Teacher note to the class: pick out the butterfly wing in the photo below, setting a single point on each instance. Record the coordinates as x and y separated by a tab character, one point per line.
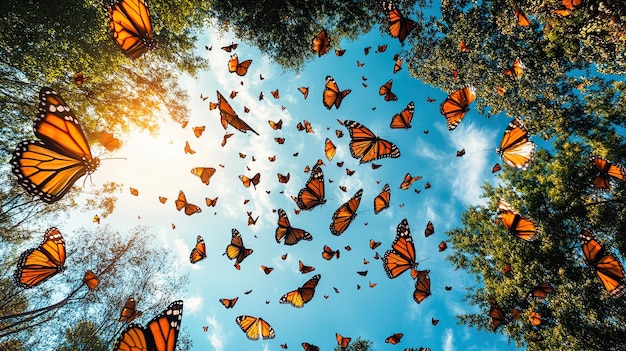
381	201
345	214
204	173
228	116
496	316
403	119
160	334
516	148
285	231
456	105
399	26
255	328
332	95
199	252
304	91
522	227
320	44
330	149
229	303
385	90
366	146
40	264
131	27
422	289
236	250
297	298
313	192
608	267
401	257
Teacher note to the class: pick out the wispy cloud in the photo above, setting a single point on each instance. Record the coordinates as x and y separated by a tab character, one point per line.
193	304
448	341
216	335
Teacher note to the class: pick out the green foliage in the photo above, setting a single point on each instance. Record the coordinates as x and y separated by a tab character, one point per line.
82	337
357	344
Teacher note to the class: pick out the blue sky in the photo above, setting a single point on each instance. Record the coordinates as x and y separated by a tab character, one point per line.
157	166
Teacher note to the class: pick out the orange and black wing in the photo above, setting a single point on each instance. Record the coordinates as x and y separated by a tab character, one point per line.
285	231
381	201
456	105
160	334
516	70
229	303
236	250
199	251
241	68
399	26
313	193
401	257
496	316
422	289
131	27
329	149
606	171
366	146
345	214
255	327
332	95
204	173
517	225
385	90
516	148
320	44
297	298
403	119
228	116
342	341
181	203
39	264
608	267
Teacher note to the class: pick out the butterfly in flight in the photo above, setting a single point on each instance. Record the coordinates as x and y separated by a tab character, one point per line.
496	315
204	173
247	181
304	91
181	202
229	303
91	280
516	148
516	70
456	105
47	168
332	95
255	327
130	26
297	298
401	257
230	47
241	68
320	44
422	289
608	267
290	234
228	116
517	225
606	171
397	65
199	251
385	90
342	341
381	201
129	312
394	339
39	264
403	119
313	192
305	269
109	141
345	214
161	333
399	26
366	146
236	250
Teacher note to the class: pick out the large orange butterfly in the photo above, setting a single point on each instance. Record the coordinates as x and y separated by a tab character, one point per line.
131	27
48	168
385	90
401	257
199	251
255	327
381	201
345	214
235	250
109	141
399	26
39	264
228	116
516	148
608	267
342	341
332	95
366	146
205	173
516	70
329	149
313	192
247	181
297	298
496	316
456	105
129	311
520	226
181	202
320	44
160	334
241	68
606	171
422	289
404	118
285	231
229	303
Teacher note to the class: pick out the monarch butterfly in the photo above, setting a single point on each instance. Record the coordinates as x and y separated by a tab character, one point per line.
399	26
463	47
328	253
305	125
374	244
235	250
516	148
252	221
134	191
247	181
385	90
606	170
129	312
205	173
255	327
342	341
39	264
48	168
368	147
211	202
362	273
541	290
80	78
381	48
442	246
397	65
310	347
401	257
181	202
91	280
345	214
297	298
320	44
313	192
329	149
496	316
197	131
460	153
430	229
496	168
229	303
109	141
434	321
520	226
162	199
534	318
280	141
422	289
408	180
241	68
607	266
522	19
131	27
404	118
199	252
305	269
571	4
96	219
394	339
339	52
230	47
332	95
283	178
456	105
304	91
285	231
228	116
516	70
159	334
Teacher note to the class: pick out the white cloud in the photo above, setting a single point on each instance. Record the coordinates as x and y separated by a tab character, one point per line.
193	304
448	341
216	335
